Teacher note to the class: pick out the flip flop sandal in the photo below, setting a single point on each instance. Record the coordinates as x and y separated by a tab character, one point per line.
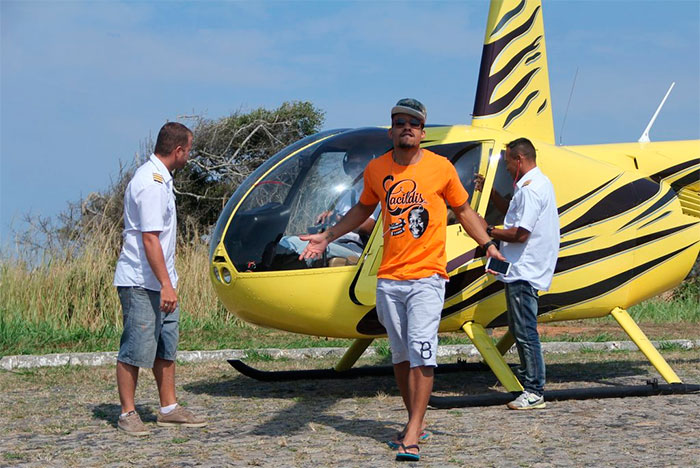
394	445
407	456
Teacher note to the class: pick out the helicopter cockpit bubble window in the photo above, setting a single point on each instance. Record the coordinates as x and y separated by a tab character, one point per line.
291	198
466	157
250	181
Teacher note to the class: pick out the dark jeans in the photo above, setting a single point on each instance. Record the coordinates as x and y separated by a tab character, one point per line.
521	299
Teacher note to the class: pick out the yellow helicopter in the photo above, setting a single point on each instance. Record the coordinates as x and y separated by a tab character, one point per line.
629	216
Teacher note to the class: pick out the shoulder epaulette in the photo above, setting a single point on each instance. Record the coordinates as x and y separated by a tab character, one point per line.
157	177
526	183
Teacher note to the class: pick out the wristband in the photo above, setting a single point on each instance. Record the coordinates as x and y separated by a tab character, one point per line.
489	229
489	243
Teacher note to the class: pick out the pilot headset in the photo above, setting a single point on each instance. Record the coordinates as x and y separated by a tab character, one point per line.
358	156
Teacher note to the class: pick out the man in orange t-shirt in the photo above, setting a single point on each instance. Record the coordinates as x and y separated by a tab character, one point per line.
413	185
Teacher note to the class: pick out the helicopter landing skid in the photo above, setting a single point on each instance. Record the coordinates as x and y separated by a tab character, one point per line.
353	373
651	388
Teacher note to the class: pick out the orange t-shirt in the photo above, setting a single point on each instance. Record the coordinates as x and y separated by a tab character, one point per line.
414	213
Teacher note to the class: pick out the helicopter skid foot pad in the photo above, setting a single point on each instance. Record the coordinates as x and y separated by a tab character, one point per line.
310	374
501	398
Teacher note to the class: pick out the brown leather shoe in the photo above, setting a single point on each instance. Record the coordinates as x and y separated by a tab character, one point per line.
132	424
180	417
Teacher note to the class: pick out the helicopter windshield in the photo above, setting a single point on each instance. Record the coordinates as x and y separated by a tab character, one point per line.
250	180
305	193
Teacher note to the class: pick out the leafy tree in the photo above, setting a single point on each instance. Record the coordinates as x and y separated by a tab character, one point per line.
224	152
227	150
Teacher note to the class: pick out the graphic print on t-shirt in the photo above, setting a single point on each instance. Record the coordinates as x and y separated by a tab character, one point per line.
414	201
418	219
403	200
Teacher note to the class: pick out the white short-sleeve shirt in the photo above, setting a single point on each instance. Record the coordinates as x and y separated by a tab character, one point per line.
149	206
533	208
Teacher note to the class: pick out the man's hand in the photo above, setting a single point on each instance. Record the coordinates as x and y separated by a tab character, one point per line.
327	217
352	220
316	246
156	260
168	299
479	182
492	251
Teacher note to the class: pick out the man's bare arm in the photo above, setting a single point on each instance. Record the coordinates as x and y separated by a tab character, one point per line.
497	199
513	234
355	217
366	227
154	254
471	223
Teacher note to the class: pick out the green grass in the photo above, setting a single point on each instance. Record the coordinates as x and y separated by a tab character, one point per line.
657	310
597	338
220	331
668	346
453	339
382	348
18	336
68	304
257	356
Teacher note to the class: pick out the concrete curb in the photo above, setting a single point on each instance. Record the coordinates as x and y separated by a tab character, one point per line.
110	358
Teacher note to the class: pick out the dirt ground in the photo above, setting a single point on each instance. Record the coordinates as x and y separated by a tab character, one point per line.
67	417
586	329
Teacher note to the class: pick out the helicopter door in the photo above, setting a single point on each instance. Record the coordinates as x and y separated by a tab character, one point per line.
471	161
469	158
497	191
364	287
491	203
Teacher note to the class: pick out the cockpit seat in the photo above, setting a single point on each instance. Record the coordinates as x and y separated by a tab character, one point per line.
343	261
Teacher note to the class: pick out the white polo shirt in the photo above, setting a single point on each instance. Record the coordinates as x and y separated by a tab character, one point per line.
149	205
534	208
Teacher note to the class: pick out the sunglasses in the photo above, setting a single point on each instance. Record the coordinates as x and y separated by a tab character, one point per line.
401	122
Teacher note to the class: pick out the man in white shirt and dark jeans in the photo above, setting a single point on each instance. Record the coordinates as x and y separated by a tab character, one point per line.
530	242
146	281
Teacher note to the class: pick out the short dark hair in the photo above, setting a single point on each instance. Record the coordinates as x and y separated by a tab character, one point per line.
170	136
523	146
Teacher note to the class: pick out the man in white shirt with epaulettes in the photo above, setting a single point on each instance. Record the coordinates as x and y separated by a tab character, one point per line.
530	242
146	282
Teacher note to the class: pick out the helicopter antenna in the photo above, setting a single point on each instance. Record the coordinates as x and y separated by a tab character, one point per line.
645	136
561	130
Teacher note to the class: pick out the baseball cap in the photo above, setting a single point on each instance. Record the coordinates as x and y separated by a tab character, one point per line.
411	107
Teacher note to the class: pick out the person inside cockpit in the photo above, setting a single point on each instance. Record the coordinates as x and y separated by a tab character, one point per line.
345	250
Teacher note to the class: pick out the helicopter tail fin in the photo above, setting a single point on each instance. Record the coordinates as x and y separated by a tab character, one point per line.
513	88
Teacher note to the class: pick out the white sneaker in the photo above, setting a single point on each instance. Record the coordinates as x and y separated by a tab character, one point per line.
527	400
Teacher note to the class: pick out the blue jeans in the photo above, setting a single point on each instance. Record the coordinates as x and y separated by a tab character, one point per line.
148	331
521	299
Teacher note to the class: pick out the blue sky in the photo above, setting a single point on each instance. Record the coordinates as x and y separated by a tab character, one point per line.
85	83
